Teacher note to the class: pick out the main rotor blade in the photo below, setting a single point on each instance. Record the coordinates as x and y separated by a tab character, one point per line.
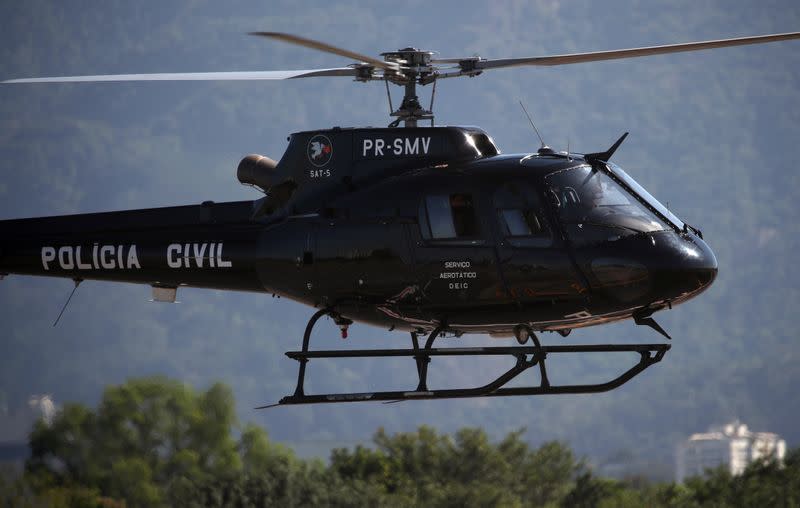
322	46
194	76
632	53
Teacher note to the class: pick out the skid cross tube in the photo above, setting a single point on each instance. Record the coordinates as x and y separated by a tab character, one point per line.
525	356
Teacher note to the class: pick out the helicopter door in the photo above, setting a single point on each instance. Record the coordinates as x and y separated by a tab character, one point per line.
455	258
535	265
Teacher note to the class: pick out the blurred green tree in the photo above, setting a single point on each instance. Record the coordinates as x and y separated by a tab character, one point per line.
156	442
151	441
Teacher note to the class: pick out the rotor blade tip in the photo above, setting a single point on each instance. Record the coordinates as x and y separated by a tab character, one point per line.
277	35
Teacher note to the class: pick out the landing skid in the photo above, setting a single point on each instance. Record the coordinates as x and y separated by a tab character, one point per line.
525	357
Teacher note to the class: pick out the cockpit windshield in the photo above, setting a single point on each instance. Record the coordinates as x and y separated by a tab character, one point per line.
594	208
642	192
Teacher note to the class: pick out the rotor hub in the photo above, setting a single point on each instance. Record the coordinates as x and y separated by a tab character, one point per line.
409	57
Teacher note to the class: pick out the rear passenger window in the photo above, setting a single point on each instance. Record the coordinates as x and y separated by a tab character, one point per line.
448	216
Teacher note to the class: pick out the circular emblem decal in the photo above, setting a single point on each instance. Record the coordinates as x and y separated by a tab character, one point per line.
319	150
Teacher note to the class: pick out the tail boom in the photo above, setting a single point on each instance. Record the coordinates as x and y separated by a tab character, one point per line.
209	245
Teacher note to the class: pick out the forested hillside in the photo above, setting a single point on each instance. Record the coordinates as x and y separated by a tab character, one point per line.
713	134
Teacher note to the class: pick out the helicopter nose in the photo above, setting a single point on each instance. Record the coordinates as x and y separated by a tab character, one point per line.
688	266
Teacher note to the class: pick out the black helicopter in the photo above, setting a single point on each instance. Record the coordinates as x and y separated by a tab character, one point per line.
428	230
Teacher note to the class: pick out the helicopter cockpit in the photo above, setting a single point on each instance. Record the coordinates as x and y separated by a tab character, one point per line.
594	206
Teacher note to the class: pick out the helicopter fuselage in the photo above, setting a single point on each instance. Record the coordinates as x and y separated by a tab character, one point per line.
403	228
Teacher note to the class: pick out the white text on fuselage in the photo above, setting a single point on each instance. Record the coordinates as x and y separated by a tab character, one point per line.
105	257
126	257
198	255
319	173
398	147
458	270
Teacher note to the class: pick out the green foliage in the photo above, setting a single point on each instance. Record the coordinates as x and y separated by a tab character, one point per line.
155	442
763	483
148	438
18	491
424	468
589	491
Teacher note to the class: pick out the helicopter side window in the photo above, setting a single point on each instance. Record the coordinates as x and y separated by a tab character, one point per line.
520	216
520	222
444	216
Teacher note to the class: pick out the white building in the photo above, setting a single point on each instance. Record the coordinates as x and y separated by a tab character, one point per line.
42	406
732	445
15	426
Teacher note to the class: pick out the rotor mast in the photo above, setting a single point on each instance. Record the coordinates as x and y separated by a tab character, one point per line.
416	69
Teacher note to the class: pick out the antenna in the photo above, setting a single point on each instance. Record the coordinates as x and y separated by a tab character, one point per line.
77	283
569	158
532	125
